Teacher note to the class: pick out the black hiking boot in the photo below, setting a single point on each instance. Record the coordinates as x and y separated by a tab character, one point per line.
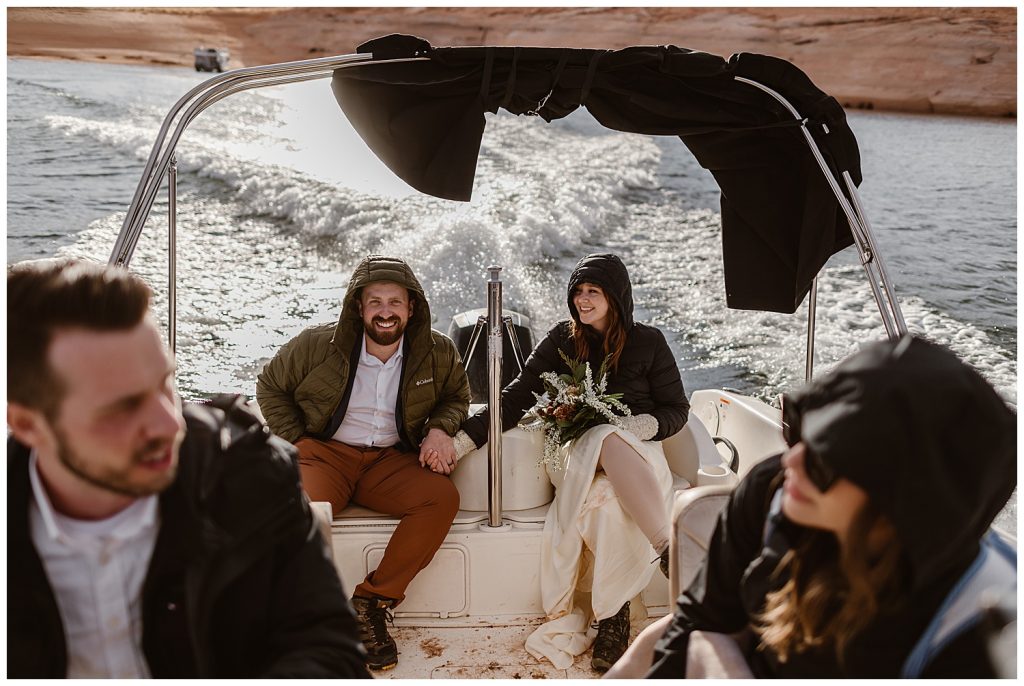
663	563
373	615
612	639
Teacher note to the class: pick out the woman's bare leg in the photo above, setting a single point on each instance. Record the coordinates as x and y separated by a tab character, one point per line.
638	489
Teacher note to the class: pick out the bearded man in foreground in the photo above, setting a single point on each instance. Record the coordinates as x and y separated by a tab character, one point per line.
145	539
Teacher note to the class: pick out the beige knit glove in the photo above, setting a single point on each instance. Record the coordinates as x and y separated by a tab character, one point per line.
643	426
464	445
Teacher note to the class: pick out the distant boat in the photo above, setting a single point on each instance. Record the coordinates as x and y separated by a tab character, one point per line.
211	59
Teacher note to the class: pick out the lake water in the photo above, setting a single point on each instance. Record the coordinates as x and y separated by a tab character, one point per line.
278	199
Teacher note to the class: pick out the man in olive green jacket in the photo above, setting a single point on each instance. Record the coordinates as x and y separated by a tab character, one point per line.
369	402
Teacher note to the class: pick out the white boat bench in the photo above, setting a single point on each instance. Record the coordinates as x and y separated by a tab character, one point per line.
483	575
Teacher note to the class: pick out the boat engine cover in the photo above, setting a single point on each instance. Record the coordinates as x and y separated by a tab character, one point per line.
461	331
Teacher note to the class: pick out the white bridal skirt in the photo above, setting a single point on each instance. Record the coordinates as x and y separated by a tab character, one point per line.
593	555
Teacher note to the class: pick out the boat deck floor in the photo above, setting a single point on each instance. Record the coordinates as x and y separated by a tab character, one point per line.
490	652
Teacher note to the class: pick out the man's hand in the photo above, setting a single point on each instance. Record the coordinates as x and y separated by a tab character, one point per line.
438	452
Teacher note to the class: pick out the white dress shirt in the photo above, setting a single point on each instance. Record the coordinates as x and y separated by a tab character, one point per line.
96	570
370	417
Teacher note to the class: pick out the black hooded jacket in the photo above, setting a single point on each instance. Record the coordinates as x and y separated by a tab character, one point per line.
647	375
934	447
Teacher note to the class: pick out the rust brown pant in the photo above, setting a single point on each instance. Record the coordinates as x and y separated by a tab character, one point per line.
390	481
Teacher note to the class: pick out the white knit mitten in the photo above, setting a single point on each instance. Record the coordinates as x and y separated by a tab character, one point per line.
643	426
464	445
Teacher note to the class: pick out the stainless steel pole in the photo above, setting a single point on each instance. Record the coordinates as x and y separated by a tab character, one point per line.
201	96
494	322
172	253
883	272
856	227
812	306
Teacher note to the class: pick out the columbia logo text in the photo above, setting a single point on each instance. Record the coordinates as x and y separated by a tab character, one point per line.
423	381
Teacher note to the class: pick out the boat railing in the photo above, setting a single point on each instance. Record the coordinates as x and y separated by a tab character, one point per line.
160	163
870	257
202	96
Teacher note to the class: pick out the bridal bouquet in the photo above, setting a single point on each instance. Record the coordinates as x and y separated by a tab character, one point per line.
572	403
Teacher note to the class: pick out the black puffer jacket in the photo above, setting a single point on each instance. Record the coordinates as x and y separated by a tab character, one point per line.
934	447
239	585
647	375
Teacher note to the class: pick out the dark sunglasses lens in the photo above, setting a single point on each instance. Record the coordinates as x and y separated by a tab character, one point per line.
820	474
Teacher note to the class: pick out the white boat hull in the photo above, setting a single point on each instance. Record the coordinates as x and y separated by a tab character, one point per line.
468	613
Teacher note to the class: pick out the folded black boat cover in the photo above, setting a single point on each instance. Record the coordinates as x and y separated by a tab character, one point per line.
780	220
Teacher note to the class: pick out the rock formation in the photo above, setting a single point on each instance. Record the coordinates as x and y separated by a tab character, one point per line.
944	60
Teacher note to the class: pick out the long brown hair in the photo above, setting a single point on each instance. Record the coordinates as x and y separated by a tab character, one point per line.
833	592
614	333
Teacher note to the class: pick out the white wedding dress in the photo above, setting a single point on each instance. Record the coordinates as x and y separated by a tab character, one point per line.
593	556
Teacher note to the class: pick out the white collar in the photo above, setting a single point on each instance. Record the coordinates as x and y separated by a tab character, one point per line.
367	358
127	523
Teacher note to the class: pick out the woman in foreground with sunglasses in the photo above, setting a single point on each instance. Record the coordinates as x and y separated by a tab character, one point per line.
836	557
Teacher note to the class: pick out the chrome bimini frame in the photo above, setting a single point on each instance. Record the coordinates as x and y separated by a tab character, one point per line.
863	237
162	163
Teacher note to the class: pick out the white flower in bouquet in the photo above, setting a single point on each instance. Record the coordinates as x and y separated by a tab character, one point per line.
571	404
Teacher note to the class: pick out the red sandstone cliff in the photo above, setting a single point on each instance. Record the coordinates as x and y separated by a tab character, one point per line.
949	60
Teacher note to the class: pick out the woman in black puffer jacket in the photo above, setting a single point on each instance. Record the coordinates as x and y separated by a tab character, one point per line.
613	496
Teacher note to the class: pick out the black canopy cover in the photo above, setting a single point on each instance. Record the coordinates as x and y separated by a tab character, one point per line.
424	119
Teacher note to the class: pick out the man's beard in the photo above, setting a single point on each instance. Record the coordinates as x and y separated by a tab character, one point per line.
384	337
117	481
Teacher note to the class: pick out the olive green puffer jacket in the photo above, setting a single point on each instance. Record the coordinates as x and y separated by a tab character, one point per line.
302	387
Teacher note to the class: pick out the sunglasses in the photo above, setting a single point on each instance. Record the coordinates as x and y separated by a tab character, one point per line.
819	473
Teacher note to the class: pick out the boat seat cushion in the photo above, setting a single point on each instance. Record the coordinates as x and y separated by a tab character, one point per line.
357	514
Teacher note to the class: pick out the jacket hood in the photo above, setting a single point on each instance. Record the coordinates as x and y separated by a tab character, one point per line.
926	437
608	272
372	269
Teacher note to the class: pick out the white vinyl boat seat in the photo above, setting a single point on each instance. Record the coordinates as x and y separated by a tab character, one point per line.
526	489
357	515
694	516
754	428
692	454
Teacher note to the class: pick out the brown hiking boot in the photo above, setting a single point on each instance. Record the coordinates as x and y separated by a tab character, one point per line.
612	639
373	615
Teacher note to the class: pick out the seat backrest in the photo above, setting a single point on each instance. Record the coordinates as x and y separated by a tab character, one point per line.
690	449
524	483
694	516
